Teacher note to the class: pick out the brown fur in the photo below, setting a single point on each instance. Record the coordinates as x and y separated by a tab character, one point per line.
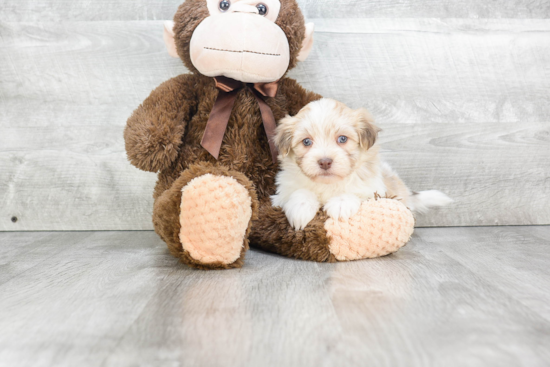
272	232
189	15
154	131
283	138
369	131
165	132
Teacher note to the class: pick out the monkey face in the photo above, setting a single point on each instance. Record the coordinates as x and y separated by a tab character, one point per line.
248	40
241	44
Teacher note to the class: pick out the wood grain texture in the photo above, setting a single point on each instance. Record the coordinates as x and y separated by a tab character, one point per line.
463	104
452	297
101	10
535	9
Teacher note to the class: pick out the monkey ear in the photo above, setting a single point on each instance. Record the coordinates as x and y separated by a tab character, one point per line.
307	44
283	135
169	39
368	132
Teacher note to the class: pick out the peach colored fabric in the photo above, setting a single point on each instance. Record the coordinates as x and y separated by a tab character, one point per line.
215	213
364	237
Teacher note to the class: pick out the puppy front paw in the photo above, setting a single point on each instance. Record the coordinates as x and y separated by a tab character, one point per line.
342	207
301	208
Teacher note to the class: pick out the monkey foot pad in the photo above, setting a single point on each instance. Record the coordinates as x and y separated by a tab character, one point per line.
215	214
379	228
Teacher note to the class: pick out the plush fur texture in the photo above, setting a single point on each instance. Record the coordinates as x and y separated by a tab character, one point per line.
163	135
329	159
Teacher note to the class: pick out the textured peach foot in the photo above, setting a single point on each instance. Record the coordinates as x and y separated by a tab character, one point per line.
379	228
215	214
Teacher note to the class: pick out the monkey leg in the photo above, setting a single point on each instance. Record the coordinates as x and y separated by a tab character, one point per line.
381	227
205	216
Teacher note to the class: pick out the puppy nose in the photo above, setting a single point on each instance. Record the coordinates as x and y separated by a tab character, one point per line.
325	163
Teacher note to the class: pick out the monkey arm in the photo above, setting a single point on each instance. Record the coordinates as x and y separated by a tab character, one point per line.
154	132
297	97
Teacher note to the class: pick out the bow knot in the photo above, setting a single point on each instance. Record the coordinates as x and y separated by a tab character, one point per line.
219	116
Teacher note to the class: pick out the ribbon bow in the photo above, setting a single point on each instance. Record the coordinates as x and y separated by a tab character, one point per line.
219	116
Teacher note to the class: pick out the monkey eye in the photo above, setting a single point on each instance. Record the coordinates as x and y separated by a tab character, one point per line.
342	139
224	5
307	142
262	9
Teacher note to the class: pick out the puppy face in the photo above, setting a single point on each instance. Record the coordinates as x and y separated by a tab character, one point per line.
326	139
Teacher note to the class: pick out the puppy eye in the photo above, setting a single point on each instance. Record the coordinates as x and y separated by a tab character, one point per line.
342	139
307	142
224	5
262	9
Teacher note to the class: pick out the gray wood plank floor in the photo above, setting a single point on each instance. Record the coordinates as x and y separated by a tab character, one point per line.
452	297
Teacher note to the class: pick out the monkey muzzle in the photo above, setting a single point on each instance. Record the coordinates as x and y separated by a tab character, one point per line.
242	46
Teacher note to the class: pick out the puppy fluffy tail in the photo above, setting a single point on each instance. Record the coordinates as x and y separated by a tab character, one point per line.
422	201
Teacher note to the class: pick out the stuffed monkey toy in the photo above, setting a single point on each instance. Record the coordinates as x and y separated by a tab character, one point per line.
208	135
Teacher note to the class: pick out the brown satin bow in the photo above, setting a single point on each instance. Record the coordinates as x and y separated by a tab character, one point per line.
219	116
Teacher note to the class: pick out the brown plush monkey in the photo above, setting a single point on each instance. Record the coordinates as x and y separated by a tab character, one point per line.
207	135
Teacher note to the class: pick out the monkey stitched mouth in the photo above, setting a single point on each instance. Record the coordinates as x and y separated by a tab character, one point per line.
241	52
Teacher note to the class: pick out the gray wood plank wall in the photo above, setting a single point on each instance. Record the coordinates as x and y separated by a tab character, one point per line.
460	88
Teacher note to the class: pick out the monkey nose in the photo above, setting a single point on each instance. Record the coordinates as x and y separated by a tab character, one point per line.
325	163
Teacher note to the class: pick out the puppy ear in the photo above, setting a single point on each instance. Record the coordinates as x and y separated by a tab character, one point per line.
283	135
368	132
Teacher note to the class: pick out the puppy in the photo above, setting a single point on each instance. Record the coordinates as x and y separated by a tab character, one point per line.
329	158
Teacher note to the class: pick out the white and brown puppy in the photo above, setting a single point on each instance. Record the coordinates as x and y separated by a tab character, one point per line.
329	158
